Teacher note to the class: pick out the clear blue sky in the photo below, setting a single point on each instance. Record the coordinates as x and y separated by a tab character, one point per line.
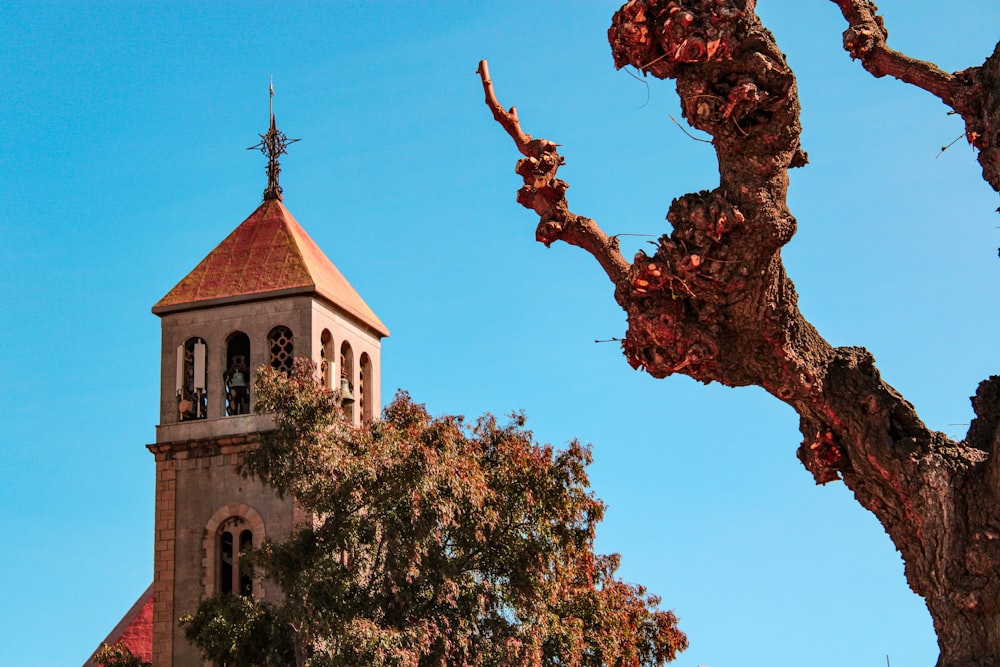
124	133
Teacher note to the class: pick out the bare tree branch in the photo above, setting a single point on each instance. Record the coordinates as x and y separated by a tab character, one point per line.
546	195
973	93
506	117
865	40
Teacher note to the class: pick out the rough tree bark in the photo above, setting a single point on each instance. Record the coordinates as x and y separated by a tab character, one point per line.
714	302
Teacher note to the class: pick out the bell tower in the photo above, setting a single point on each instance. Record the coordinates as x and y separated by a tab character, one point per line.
265	295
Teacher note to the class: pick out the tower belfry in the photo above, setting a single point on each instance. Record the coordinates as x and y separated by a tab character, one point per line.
265	295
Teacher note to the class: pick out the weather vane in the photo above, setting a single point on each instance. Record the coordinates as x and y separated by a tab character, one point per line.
273	144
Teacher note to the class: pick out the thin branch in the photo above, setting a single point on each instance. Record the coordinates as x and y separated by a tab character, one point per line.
506	117
944	148
546	195
642	81
865	39
682	129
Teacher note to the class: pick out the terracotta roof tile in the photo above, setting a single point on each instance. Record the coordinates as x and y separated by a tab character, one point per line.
268	253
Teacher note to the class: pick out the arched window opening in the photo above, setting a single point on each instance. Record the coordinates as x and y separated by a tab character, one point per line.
326	359
229	534
234	540
347	380
237	374
192	376
282	350
365	383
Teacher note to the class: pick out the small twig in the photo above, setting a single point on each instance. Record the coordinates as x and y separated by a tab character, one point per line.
707	141
944	148
614	236
742	131
643	82
683	364
607	340
653	61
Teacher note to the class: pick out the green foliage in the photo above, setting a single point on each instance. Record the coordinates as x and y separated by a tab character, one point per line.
119	655
238	631
437	542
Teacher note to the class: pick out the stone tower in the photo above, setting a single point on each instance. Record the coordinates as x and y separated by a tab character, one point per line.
265	295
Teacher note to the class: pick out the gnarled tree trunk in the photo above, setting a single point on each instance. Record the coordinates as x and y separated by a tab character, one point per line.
714	302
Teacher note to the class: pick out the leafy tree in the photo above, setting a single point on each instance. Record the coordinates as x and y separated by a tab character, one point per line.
118	655
714	300
432	542
238	631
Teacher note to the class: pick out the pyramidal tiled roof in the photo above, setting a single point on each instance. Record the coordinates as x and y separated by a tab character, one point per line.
268	255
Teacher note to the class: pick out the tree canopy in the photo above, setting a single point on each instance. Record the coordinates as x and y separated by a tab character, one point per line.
118	655
431	541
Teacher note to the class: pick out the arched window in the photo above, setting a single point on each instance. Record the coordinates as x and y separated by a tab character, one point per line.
326	359
192	376
347	380
231	531
235	537
365	387
281	349
237	374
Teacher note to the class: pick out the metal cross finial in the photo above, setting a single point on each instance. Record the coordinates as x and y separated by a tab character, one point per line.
273	144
